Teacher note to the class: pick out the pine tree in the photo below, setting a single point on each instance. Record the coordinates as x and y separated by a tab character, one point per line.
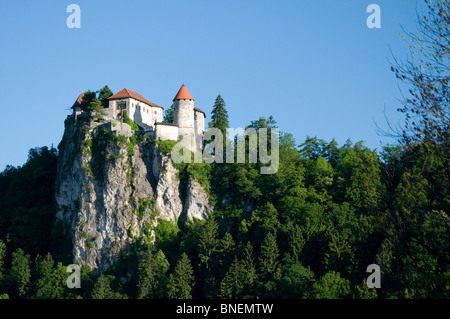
43	265
21	271
269	257
208	242
232	284
102	288
2	260
151	274
146	276
168	116
297	241
226	250
219	116
162	266
248	266
181	282
94	105
88	97
104	94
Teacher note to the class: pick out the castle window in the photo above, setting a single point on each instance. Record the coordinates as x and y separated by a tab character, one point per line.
121	105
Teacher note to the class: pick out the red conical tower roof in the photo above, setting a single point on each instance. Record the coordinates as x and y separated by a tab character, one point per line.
183	94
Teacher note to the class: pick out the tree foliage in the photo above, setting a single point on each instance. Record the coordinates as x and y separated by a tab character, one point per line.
181	281
308	231
427	74
168	115
96	100
219	115
20	272
103	95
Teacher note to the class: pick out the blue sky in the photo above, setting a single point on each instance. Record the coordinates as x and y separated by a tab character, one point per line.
314	65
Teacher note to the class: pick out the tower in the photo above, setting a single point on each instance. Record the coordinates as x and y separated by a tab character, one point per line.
183	117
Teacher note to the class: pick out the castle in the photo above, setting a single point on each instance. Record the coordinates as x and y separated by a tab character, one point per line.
188	121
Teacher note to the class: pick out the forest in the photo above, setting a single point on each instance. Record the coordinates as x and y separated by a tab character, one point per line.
307	232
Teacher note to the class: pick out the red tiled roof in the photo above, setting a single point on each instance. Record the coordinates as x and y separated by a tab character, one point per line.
183	94
126	93
79	100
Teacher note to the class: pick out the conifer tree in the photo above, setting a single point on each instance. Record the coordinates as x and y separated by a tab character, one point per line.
269	256
162	266
168	115
21	271
248	265
146	276
88	97
43	265
104	94
181	282
297	241
2	260
219	115
151	274
102	288
208	242
95	104
233	283
226	250
52	283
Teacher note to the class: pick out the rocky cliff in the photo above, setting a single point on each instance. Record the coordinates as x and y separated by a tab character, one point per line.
112	189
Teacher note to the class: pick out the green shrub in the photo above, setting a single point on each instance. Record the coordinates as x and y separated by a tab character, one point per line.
130	122
166	231
143	204
94	105
202	173
165	147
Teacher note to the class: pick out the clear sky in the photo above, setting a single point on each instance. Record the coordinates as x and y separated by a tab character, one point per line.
314	65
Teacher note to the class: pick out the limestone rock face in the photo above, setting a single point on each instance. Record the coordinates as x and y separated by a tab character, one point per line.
196	203
111	190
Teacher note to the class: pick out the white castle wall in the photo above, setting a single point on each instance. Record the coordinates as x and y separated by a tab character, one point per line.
186	136
166	132
199	128
140	112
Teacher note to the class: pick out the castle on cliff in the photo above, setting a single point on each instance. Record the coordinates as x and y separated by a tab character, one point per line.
188	121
